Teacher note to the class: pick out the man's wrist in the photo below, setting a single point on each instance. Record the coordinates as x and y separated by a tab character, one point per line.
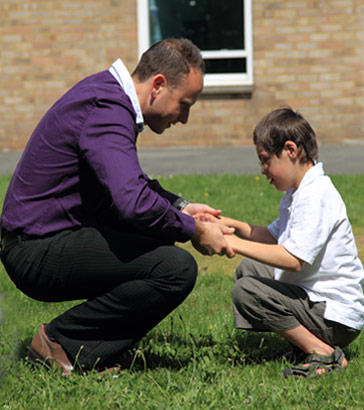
181	203
199	228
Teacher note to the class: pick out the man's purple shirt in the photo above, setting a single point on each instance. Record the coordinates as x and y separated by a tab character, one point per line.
80	168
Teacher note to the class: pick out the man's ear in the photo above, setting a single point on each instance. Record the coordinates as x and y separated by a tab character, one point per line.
292	149
158	83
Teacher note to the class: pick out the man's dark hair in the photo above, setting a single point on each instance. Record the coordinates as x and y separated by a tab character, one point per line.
284	124
171	57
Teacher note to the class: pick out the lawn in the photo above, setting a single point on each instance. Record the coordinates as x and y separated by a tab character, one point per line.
194	359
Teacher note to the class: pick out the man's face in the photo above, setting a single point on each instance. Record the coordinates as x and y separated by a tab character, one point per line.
170	106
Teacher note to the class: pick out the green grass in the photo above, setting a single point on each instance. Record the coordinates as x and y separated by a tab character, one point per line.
194	359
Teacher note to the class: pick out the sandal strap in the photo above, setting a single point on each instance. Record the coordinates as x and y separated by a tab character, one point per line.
335	358
304	371
331	362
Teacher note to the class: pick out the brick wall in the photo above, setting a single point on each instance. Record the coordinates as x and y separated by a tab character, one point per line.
307	54
46	46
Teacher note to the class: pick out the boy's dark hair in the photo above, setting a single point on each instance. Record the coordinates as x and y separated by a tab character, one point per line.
284	124
171	57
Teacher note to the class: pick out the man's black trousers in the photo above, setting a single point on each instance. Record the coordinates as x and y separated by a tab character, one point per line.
130	283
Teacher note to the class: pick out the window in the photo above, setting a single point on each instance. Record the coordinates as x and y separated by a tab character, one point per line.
221	29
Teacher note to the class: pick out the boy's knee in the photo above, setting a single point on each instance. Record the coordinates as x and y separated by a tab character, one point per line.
243	269
245	294
251	267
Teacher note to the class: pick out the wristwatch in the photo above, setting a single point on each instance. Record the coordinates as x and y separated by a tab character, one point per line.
182	204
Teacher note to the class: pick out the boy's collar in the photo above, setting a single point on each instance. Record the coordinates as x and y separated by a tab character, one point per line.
316	171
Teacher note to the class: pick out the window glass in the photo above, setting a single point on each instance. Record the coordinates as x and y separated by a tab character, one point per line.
210	24
226	65
222	29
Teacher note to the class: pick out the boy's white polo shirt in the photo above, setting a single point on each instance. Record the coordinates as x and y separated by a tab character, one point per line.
313	225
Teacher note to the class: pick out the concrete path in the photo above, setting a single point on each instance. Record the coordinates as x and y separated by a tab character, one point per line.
337	159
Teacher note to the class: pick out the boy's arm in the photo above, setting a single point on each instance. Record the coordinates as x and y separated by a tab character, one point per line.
247	231
268	253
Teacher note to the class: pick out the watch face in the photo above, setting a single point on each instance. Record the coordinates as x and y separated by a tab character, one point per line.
182	204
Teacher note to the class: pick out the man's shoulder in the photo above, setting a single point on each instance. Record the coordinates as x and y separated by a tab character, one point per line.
101	83
106	88
98	89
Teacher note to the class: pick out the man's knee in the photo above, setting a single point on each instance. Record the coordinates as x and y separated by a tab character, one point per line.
178	270
188	267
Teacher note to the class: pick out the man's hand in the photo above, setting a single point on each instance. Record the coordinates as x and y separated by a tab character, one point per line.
193	209
209	239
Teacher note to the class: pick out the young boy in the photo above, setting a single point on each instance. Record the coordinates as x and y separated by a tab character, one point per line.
302	277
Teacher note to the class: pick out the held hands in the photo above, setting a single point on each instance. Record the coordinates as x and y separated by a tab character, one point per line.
194	209
204	217
209	239
214	235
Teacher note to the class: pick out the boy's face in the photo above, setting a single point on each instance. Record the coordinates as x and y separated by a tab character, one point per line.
282	171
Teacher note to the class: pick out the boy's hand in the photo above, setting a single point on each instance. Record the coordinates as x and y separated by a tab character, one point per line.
193	209
234	242
204	217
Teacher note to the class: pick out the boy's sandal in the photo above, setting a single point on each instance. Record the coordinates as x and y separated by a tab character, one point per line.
330	363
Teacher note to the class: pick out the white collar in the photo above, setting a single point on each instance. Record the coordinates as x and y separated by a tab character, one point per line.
122	76
316	171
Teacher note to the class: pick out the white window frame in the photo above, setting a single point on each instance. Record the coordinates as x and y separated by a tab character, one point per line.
213	83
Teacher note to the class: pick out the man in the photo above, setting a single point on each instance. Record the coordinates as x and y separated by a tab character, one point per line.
82	221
